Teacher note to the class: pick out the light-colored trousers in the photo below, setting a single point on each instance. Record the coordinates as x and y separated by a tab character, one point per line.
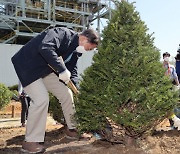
38	92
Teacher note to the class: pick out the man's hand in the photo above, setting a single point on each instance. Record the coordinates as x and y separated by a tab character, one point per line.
65	76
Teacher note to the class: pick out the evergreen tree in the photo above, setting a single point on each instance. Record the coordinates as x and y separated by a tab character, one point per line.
126	81
5	95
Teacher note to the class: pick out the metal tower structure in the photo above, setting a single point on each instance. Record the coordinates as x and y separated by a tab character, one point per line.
20	20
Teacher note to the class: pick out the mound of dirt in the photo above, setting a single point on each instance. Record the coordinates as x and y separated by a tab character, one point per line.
162	142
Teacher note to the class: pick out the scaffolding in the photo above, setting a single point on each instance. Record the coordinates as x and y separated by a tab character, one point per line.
20	20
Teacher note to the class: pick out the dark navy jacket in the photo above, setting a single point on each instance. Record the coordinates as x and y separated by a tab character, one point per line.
178	69
32	60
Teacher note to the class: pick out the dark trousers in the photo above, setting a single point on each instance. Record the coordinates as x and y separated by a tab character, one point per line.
25	103
171	122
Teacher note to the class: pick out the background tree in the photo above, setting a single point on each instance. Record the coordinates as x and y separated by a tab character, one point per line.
5	95
126	81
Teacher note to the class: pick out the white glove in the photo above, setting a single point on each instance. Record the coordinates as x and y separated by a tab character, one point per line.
176	122
65	76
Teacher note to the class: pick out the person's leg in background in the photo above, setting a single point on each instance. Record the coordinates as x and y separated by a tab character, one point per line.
28	100
23	110
171	122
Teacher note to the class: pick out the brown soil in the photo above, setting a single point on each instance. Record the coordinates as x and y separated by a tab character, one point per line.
163	142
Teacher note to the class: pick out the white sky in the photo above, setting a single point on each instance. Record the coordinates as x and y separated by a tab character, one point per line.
163	18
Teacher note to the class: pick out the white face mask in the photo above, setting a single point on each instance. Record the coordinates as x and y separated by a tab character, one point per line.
166	59
80	49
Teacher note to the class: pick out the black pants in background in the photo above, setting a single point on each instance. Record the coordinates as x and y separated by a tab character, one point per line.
25	102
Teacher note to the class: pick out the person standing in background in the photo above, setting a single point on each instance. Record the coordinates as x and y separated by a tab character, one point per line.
170	69
25	103
178	63
171	72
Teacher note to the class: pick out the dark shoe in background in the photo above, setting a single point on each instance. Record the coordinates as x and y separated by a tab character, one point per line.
23	125
32	147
